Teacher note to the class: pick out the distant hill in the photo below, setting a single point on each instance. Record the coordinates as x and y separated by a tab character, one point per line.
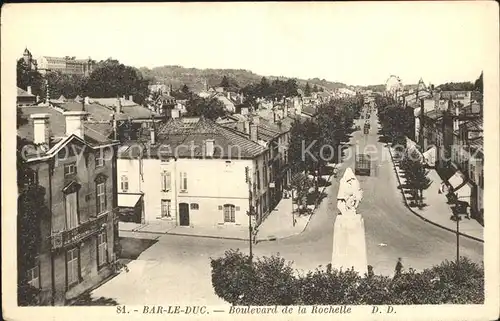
378	88
194	78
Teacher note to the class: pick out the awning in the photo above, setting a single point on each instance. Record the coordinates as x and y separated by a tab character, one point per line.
456	179
430	156
464	193
128	200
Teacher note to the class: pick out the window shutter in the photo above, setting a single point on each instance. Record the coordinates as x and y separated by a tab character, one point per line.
220	207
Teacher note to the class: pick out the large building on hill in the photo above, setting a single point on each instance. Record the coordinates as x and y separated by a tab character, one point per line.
66	65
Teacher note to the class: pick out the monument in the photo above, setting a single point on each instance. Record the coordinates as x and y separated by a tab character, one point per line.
349	243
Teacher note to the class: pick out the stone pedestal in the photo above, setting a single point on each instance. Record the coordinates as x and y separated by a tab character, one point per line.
349	244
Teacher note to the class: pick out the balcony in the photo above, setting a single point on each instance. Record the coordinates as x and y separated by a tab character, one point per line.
79	233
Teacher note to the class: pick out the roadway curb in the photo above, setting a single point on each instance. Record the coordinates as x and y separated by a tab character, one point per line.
420	216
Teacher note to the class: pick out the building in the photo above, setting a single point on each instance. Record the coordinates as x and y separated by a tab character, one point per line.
25	97
76	167
29	61
66	65
192	172
451	137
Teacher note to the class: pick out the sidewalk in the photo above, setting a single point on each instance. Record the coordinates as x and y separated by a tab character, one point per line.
279	223
168	227
437	211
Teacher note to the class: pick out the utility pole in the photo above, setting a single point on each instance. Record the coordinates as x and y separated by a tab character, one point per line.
250	208
457	218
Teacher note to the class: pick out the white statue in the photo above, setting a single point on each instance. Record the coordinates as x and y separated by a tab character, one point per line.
349	241
350	193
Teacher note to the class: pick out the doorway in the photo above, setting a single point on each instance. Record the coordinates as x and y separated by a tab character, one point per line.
184	214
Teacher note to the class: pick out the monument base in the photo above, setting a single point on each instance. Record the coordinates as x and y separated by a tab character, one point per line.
349	244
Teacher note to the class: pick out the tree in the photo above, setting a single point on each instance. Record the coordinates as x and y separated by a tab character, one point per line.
271	281
28	77
478	84
224	82
67	85
301	184
208	108
315	88
112	79
415	174
456	86
307	90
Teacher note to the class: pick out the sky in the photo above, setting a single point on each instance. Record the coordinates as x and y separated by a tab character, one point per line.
354	43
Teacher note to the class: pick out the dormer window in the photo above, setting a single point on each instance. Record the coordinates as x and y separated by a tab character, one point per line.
99	158
70	169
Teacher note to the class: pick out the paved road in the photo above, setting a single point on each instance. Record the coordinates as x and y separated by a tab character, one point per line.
177	270
392	231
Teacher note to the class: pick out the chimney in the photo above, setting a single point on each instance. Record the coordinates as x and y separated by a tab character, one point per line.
209	147
74	123
455	121
87	100
244	111
253	132
41	128
242	98
119	106
37	99
229	95
131	98
123	97
29	90
246	128
255	119
152	133
175	113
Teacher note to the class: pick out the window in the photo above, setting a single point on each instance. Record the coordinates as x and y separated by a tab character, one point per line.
124	183
31	177
69	169
102	247
195	206
165	181
33	277
166	208
73	266
71	210
472	172
481	179
101	197
229	213
99	159
257	177
183	181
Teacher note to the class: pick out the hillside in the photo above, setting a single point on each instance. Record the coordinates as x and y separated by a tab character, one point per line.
195	78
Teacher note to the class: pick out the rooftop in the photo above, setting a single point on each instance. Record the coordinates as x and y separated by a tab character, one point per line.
23	93
185	139
95	133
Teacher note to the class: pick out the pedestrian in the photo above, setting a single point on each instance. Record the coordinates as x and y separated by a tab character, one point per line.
399	268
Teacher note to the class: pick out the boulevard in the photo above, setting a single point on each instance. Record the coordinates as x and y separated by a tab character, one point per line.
176	269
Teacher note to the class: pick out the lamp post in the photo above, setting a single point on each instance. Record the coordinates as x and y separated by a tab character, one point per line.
293	212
